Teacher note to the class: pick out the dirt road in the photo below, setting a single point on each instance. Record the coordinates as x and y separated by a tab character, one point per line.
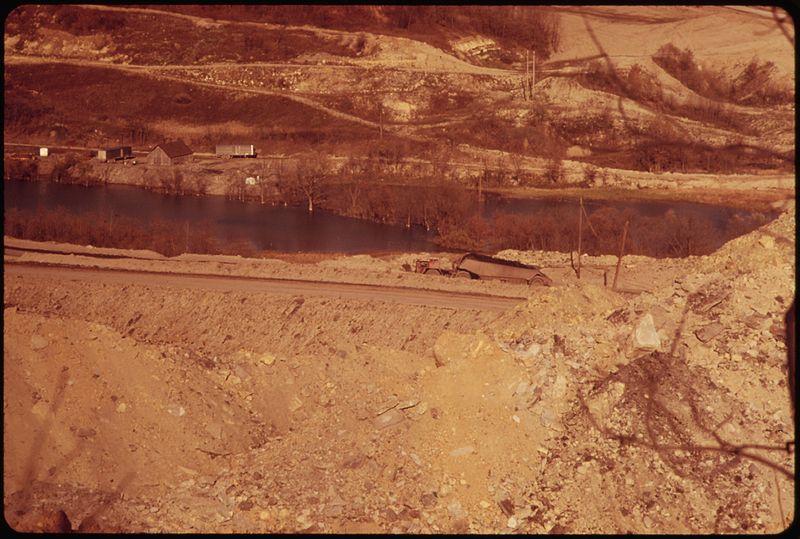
402	295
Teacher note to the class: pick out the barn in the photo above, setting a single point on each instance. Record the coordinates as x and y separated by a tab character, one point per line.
169	153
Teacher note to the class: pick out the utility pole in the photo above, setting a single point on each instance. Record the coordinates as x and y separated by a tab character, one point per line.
580	235
525	84
621	252
480	193
530	74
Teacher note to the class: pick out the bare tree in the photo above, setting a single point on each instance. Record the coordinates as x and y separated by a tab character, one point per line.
271	172
355	174
311	175
407	206
439	157
554	172
164	179
236	188
177	182
201	183
517	166
152	179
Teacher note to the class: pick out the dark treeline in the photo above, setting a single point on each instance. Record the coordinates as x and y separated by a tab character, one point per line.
453	213
449	212
376	188
169	238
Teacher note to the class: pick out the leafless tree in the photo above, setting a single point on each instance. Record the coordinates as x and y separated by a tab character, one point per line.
554	172
177	182
517	166
313	172
200	184
439	157
355	174
271	172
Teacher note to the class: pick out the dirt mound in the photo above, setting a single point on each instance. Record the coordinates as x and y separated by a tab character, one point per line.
157	409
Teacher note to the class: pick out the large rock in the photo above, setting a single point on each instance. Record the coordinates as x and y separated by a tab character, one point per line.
706	333
38	342
646	337
388	419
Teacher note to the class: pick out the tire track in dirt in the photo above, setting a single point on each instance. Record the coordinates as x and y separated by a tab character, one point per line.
210	282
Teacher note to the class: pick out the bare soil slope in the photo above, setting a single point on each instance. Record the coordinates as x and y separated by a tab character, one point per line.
151	408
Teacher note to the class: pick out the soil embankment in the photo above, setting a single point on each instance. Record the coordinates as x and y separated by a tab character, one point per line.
152	407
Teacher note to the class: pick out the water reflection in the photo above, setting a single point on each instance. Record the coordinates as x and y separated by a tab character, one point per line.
293	229
277	228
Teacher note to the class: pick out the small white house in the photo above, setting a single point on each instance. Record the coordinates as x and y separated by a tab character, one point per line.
44	152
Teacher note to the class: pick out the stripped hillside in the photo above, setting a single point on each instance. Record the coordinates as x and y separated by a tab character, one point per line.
335	77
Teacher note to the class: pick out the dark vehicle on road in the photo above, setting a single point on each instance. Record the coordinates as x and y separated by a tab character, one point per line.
480	266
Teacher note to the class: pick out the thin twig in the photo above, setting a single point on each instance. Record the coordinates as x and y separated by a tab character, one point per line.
737	450
212	454
778	492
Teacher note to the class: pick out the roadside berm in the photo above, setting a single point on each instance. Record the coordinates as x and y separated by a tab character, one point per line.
156	408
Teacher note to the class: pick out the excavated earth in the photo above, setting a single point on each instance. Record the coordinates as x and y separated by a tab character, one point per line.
659	408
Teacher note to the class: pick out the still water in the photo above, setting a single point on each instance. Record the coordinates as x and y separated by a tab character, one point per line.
278	228
292	229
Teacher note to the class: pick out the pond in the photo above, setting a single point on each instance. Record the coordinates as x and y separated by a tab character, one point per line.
293	229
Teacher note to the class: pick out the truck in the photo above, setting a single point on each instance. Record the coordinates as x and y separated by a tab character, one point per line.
481	266
117	153
235	150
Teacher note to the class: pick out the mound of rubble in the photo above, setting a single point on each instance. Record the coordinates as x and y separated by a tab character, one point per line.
579	411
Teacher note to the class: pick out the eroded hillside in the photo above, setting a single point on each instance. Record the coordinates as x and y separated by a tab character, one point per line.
442	83
151	407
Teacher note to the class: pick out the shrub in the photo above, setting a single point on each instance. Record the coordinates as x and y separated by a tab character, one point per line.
755	85
20	169
554	172
470	235
167	237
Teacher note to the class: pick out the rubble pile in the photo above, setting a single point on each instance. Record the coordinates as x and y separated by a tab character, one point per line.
133	408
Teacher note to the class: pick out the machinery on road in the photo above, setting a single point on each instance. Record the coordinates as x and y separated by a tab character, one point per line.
479	266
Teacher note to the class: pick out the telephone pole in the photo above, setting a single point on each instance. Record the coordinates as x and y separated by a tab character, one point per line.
530	74
525	84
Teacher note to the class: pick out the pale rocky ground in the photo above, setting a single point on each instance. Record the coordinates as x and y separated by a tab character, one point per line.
156	409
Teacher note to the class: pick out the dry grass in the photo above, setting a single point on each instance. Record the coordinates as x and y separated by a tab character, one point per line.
41	96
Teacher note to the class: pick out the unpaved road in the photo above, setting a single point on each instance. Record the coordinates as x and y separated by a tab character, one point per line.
277	286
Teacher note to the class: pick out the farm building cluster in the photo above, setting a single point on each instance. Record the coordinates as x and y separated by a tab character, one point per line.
172	153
